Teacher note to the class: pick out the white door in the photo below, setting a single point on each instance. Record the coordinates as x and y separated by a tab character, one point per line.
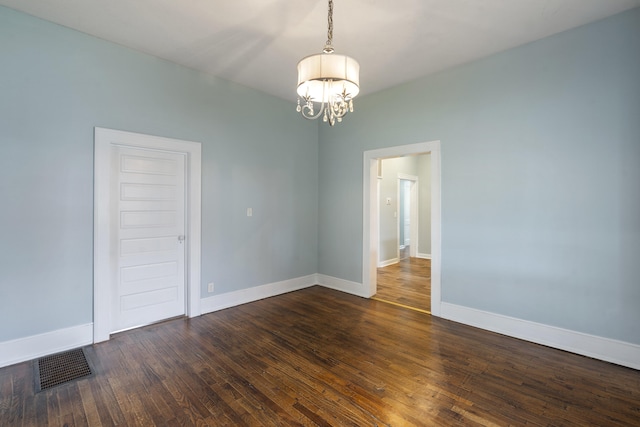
148	243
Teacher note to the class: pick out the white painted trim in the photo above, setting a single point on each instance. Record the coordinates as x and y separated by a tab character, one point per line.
370	223
407	177
413	213
397	216
101	221
370	216
347	286
423	256
32	347
388	262
243	296
375	205
436	230
609	350
414	218
104	140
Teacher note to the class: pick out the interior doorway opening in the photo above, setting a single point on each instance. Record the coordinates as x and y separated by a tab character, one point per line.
409	195
403	278
404	217
373	200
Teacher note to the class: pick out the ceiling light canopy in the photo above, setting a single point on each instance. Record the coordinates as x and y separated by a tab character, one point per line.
329	80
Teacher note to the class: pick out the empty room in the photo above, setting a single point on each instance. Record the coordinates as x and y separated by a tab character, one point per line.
320	212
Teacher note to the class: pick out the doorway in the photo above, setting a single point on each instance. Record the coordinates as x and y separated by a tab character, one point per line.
403	278
404	217
408	222
371	212
147	230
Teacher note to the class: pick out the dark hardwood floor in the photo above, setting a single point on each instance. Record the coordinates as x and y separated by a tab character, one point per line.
406	283
318	357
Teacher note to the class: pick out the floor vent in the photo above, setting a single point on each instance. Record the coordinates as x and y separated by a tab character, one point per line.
61	368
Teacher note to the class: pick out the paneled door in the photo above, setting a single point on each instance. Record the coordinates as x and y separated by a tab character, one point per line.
148	243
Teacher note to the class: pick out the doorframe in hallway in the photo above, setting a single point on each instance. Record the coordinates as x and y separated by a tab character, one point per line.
105	139
413	213
370	235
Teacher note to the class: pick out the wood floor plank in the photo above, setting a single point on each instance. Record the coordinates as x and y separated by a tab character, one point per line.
65	416
41	414
75	404
53	409
12	387
318	357
88	403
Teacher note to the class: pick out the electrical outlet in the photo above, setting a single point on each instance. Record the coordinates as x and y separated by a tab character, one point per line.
210	287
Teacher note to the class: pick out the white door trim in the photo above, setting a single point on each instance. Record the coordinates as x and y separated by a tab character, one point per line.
370	234
104	140
413	214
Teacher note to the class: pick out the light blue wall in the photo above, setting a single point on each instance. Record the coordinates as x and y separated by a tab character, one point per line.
540	178
55	86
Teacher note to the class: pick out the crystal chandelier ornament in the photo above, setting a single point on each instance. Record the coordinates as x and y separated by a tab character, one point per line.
327	79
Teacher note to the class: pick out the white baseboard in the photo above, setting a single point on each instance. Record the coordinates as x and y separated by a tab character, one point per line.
243	296
353	288
609	350
388	262
35	346
423	256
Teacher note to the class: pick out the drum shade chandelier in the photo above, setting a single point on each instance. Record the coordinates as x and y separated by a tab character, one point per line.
327	79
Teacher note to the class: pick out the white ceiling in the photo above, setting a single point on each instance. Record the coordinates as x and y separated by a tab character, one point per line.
258	43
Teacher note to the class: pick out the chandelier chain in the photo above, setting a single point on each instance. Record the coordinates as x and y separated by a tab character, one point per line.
330	22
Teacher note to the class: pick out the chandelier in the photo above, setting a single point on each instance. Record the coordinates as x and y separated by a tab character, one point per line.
329	80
